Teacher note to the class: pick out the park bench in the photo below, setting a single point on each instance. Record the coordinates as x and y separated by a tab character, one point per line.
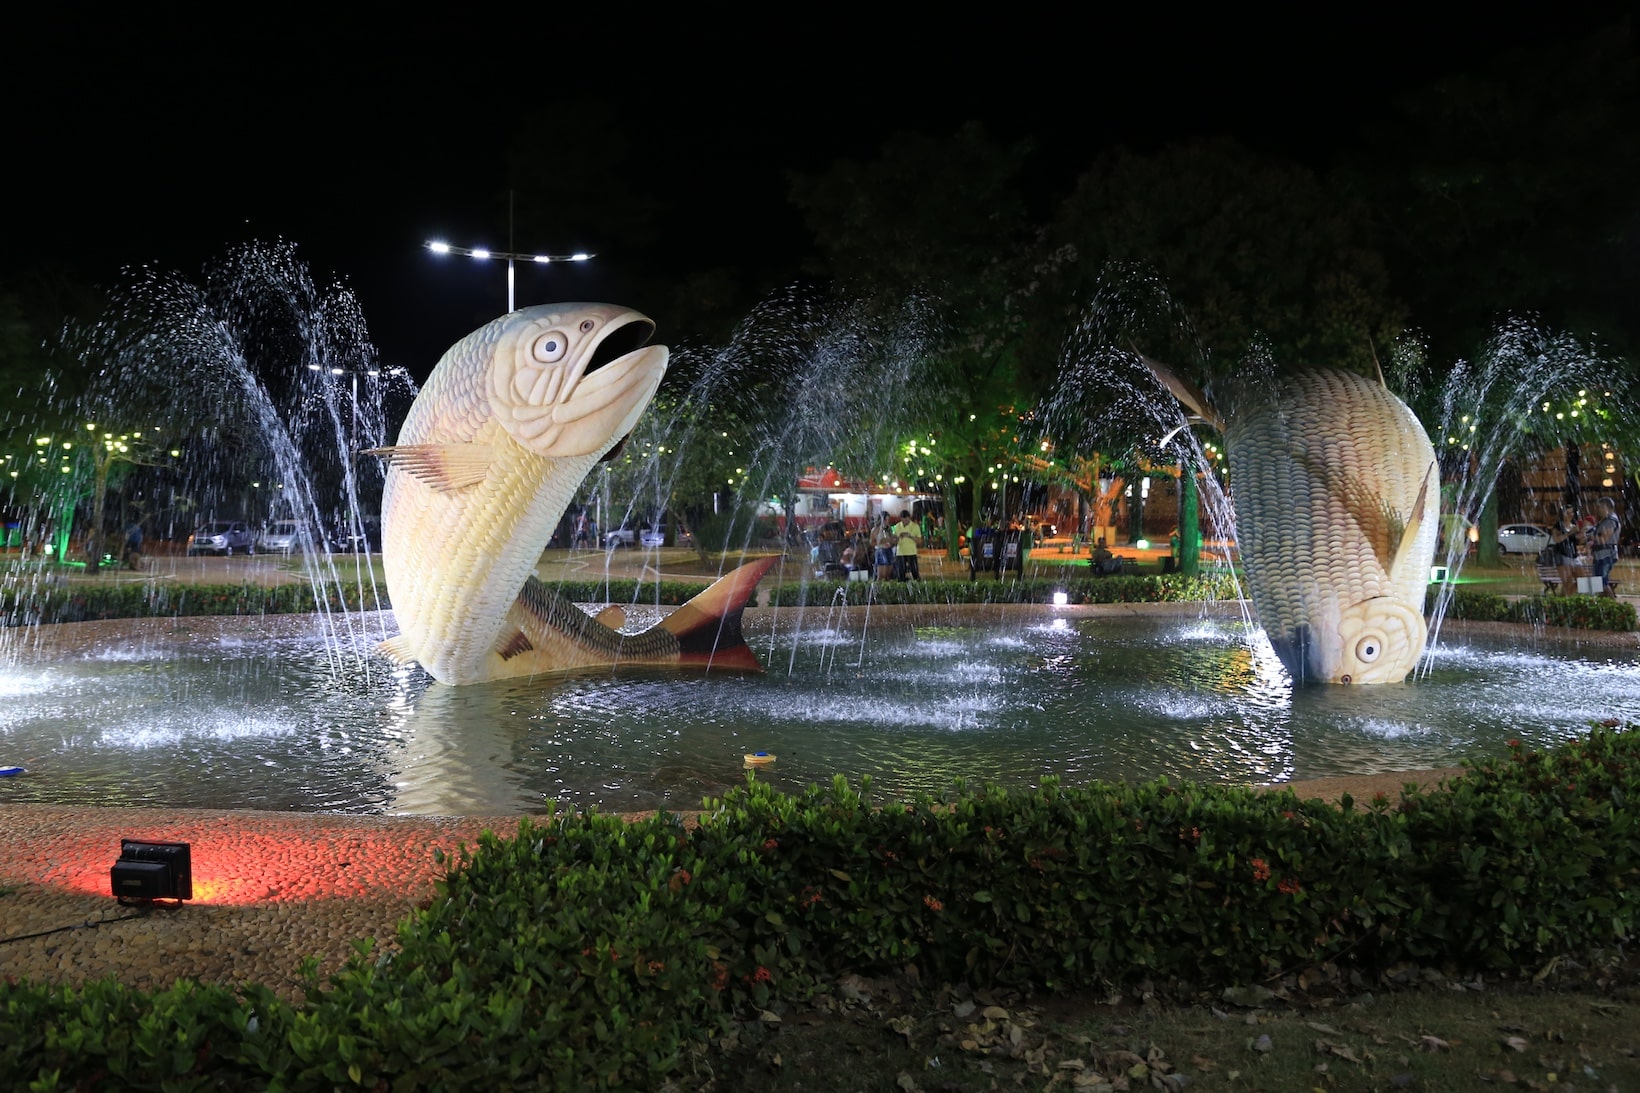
1550	575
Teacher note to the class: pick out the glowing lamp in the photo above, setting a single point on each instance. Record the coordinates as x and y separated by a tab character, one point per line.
1060	599
1143	544
153	870
1437	574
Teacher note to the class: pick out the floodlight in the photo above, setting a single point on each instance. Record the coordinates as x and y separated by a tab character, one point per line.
153	870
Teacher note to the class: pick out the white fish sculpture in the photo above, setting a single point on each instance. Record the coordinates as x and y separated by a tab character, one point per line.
1337	500
510	422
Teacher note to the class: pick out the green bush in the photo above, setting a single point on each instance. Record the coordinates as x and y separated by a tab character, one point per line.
1471	604
78	603
587	952
1078	590
1581	612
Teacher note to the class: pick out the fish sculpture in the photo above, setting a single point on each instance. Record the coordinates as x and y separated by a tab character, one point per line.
1337	500
495	445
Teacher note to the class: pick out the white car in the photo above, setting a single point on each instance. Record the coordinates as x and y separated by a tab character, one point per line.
649	537
281	537
222	537
1522	538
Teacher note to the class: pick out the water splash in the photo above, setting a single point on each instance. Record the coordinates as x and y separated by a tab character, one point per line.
243	393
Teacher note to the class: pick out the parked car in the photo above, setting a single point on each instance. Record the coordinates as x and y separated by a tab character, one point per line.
281	537
625	536
1522	538
361	537
222	537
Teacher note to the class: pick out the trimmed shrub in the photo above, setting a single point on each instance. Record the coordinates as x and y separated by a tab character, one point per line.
1471	604
1580	612
133	600
587	952
1151	589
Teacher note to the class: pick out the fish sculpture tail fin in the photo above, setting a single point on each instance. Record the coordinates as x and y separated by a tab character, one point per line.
1192	398
708	627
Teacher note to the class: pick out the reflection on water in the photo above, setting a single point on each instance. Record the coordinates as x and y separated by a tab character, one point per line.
221	719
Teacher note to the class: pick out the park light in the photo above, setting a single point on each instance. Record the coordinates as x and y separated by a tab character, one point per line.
484	254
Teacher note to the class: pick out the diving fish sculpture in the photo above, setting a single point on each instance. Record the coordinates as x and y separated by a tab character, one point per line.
511	420
1337	500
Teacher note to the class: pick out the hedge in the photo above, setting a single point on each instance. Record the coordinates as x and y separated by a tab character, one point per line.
584	951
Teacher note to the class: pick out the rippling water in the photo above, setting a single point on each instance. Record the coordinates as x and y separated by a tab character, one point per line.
226	719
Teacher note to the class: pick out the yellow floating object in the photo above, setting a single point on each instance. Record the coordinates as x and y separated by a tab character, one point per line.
758	758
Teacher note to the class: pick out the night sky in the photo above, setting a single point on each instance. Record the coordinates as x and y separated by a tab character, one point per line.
142	137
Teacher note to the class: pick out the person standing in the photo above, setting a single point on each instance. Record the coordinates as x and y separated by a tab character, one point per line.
133	545
1603	541
882	547
907	537
1563	538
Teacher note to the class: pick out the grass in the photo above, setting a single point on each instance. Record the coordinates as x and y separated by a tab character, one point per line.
1434	1034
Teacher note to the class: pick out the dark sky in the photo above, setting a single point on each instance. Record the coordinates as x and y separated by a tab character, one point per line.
143	135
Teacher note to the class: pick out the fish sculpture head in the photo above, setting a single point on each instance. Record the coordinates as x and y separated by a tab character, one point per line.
1378	641
572	380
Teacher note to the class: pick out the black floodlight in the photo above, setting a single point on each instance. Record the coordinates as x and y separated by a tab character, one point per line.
148	870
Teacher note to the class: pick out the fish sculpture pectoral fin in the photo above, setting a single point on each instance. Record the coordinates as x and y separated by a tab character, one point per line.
397	649
1407	555
444	467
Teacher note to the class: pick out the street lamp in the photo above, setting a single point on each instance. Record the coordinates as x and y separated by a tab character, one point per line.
510	256
353	436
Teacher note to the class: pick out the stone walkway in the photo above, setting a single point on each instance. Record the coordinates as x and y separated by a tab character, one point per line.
269	890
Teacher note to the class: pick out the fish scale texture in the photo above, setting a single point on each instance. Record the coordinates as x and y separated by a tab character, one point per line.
1325	474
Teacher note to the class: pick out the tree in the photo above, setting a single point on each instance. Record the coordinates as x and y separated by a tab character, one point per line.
1509	189
942	221
1226	252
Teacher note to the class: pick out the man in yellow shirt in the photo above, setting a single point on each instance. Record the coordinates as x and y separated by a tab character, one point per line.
907	536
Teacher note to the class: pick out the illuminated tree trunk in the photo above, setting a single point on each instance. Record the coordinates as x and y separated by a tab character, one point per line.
102	461
1190	536
1486	551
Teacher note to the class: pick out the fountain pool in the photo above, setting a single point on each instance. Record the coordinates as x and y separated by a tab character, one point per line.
206	713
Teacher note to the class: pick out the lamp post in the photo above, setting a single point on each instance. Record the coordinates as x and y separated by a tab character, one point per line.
510	256
353	428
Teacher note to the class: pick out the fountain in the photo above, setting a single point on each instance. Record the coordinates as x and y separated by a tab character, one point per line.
299	713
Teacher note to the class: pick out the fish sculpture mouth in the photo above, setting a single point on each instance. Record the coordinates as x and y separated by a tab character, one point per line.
568	384
620	341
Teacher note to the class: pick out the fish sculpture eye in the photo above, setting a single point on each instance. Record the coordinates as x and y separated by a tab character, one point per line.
550	347
1366	650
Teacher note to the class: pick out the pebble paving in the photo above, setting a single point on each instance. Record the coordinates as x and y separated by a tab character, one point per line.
270	889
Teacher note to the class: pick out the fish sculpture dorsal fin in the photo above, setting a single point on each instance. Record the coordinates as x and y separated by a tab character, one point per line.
444	467
540	609
1382	382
